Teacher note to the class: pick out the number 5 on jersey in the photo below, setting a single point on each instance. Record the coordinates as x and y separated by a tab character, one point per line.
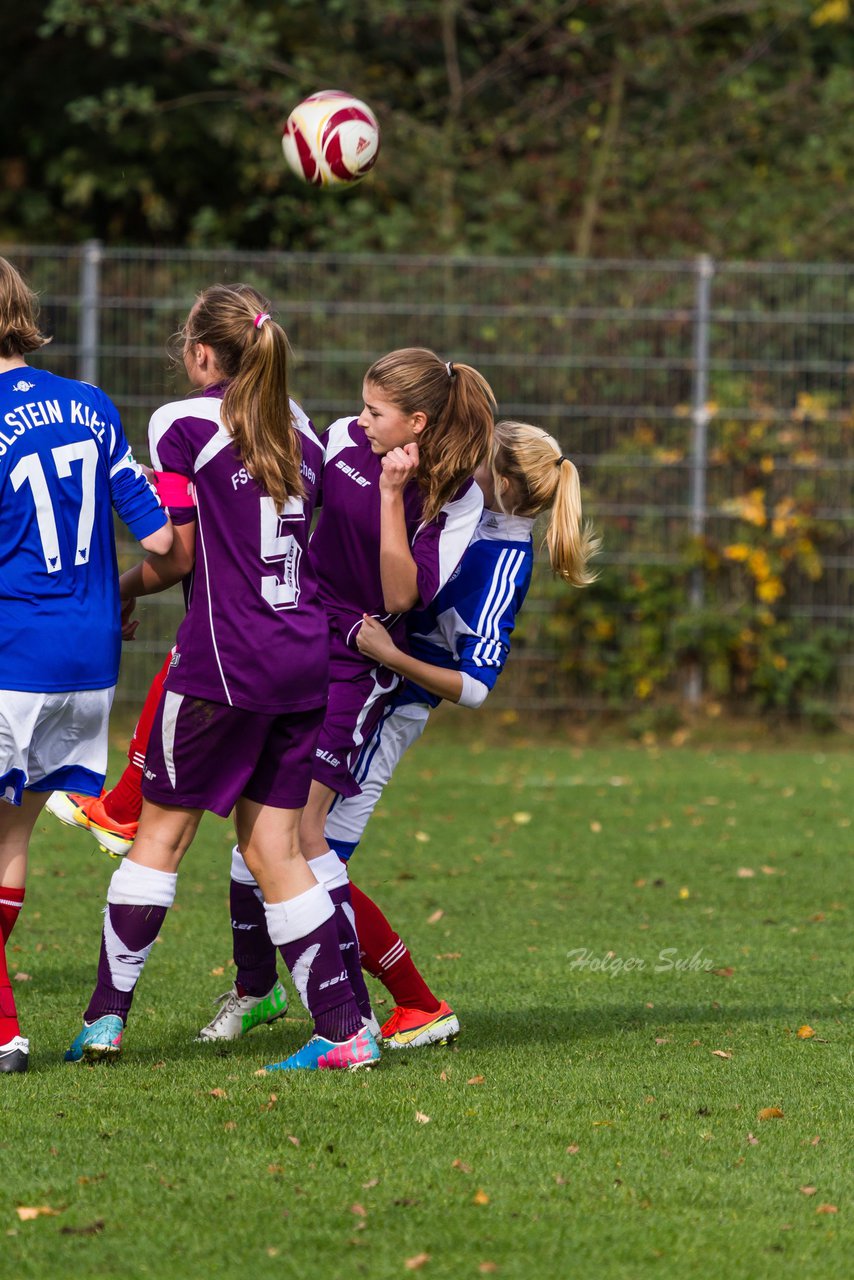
280	590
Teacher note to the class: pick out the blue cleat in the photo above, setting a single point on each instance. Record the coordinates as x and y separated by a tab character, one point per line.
361	1050
99	1041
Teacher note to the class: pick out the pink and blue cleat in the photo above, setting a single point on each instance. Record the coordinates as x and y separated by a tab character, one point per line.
99	1041
361	1050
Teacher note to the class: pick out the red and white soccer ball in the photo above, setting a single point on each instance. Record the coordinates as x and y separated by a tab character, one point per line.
331	139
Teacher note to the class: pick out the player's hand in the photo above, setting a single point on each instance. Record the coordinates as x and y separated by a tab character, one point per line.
129	623
374	641
398	468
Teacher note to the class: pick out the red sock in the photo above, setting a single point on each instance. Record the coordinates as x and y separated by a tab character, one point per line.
124	802
10	906
387	958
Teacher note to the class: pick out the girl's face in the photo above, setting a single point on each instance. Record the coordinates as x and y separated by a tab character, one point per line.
387	426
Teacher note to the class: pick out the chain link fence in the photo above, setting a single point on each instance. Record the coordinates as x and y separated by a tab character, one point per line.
675	386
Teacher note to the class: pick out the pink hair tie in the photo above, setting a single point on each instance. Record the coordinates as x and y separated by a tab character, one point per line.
260	318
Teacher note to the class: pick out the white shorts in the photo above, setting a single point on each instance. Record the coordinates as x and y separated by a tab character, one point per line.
53	741
392	737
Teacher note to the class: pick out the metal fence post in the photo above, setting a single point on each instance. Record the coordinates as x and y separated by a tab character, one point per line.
705	268
87	325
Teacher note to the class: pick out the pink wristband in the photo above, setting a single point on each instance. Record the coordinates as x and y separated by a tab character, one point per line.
173	490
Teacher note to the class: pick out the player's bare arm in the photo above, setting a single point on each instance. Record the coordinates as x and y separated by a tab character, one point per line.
375	642
398	571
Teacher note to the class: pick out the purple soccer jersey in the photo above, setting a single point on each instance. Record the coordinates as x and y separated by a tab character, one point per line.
255	634
345	548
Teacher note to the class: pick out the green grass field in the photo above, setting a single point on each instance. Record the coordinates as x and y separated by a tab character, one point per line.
632	938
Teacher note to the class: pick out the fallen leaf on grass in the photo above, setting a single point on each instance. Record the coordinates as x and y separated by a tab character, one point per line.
827	1208
480	1197
476	1080
275	1169
272	1252
421	1118
462	1166
292	1140
721	1053
359	1210
422	837
684	893
487	1268
450	955
218	971
596	827
230	1126
770	1113
436	917
805	1033
815	1141
662	1040
27	1212
260	1072
443	1076
808	1191
218	1093
745	873
724	973
521	819
572	1150
414	1264
602	1124
754	1142
372	1182
23	977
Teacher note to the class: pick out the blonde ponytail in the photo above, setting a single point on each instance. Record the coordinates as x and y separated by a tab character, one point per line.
539	479
253	350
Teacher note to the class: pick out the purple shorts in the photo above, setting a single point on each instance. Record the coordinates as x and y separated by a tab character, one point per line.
359	692
205	755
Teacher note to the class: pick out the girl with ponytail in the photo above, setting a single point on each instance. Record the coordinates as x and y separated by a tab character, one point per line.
242	703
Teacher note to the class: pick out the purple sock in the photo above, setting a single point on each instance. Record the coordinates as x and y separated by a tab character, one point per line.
316	967
348	941
254	953
128	936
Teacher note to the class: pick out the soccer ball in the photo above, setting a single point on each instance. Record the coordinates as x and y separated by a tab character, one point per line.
331	139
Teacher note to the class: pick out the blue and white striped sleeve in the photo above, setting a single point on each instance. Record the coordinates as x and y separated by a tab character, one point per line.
483	648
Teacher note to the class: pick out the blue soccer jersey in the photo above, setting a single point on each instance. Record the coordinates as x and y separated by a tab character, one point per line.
64	465
467	627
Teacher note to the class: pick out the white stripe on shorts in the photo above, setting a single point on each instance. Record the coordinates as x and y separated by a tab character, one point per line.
171	707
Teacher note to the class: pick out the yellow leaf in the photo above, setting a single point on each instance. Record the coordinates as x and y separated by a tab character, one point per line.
745	873
808	1191
26	1213
480	1197
435	917
521	819
293	1141
421	1118
572	1150
595	827
831	11
720	1053
827	1208
414	1264
684	893
805	1033
487	1268
770	1113
218	971
422	837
